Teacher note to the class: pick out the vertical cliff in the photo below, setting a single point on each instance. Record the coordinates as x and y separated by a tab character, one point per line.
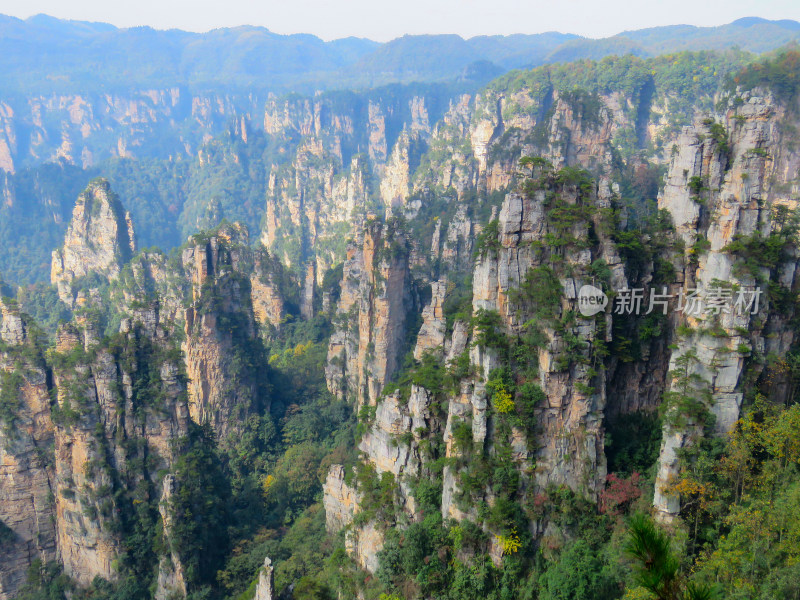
540	392
27	529
222	350
729	193
366	347
121	402
99	239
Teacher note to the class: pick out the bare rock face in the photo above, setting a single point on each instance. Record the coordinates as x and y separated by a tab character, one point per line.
391	445
348	157
220	324
269	306
363	545
727	181
395	185
12	327
97	127
307	293
26	436
341	504
340	500
99	239
394	419
567	444
432	333
365	349
103	402
171	580
457	248
264	589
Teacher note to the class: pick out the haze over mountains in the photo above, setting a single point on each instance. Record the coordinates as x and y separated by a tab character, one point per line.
44	54
287	319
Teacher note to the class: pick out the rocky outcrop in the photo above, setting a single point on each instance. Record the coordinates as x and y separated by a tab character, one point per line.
27	529
267	292
104	409
340	500
391	445
457	248
264	588
99	239
341	504
13	330
395	186
171	582
726	183
141	123
367	345
432	333
224	380
517	275
310	207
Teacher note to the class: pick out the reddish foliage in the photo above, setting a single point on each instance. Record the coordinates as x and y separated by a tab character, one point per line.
619	493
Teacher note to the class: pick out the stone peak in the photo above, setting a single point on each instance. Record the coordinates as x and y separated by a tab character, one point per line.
100	239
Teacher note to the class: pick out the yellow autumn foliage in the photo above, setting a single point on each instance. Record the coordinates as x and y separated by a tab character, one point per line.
502	401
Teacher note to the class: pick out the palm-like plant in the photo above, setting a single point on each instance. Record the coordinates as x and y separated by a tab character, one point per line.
657	569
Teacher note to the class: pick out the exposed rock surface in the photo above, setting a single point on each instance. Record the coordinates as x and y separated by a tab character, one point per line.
220	323
366	347
93	128
264	589
724	183
27	529
99	239
103	402
340	500
432	333
171	579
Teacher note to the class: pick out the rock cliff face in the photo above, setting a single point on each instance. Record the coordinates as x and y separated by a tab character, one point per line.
268	290
85	434
549	238
347	160
728	190
171	581
265	582
518	279
432	333
224	385
511	384
367	345
77	128
340	499
310	205
27	529
105	424
99	239
521	279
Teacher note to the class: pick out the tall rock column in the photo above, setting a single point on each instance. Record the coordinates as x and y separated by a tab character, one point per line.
100	239
531	265
26	445
111	436
367	344
221	347
726	185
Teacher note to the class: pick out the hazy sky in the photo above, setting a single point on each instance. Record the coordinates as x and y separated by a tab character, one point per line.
383	20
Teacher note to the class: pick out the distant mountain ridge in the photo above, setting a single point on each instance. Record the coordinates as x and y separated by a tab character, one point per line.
43	54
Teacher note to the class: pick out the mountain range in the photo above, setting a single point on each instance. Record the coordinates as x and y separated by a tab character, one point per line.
45	54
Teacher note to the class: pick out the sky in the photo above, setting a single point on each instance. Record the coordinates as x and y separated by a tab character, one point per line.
382	20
